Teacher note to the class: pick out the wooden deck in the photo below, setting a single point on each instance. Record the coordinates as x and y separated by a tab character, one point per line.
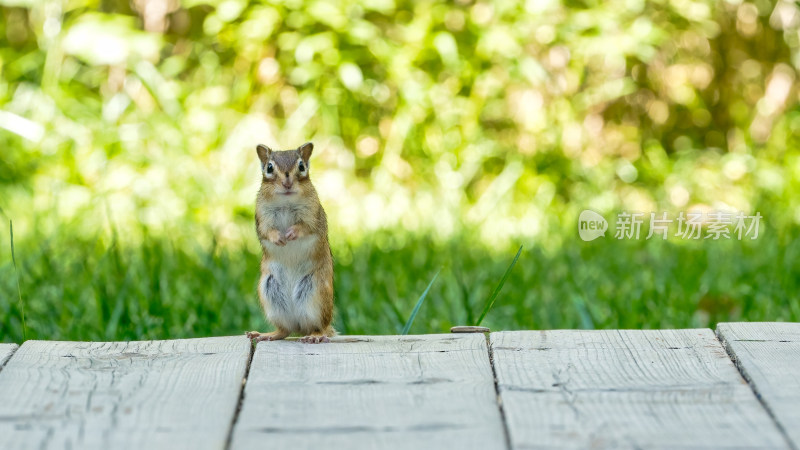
738	388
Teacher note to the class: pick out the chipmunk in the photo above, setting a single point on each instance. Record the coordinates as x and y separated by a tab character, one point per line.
296	284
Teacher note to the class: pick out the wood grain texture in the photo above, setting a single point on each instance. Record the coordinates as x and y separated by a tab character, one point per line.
768	355
414	392
141	395
6	350
626	389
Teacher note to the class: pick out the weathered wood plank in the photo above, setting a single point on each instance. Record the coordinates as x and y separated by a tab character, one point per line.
768	355
6	350
141	395
626	388
434	391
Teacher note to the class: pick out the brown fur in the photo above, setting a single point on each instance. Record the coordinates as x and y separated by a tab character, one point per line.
280	220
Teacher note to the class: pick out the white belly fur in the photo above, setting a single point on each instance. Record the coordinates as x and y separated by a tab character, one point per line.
290	263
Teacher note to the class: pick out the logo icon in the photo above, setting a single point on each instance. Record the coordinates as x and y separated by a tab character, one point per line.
591	225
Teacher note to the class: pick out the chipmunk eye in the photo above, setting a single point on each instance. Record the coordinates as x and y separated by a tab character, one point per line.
302	167
270	168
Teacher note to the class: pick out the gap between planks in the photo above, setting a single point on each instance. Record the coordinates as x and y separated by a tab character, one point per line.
490	350
727	335
241	398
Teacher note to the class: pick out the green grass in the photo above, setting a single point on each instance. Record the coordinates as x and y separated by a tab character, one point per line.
415	311
422	121
103	289
16	278
496	292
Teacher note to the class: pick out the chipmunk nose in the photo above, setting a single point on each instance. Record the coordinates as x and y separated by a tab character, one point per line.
287	183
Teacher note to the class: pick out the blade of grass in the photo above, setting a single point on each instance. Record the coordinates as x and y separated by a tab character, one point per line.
19	290
418	305
493	297
583	312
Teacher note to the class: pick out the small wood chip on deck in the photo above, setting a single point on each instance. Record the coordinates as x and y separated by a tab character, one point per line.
626	388
142	395
414	392
768	354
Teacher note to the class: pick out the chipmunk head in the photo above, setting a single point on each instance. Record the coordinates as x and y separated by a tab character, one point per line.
285	173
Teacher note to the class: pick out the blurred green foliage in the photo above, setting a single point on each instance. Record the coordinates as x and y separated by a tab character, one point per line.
446	133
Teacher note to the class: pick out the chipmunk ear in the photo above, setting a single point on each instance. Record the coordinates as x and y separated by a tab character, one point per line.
305	150
263	152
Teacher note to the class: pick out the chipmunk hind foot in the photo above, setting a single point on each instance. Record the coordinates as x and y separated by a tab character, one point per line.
272	336
319	337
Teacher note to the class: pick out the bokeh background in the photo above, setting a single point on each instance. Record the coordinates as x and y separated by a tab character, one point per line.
447	134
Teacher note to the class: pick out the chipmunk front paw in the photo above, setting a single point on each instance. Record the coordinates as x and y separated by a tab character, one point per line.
293	232
275	237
